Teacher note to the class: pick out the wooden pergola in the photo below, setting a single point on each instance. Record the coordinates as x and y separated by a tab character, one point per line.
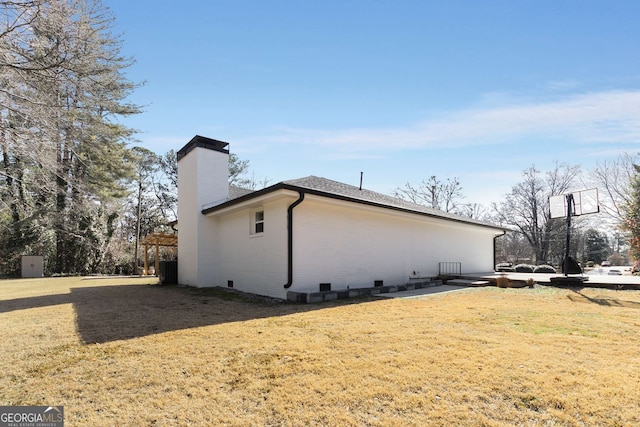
157	240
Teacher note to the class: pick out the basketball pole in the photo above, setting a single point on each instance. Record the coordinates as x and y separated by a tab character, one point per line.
565	267
565	204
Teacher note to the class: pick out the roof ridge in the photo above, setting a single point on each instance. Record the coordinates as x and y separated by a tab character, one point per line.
323	179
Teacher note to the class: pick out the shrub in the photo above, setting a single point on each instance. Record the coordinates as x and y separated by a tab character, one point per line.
544	269
524	268
616	259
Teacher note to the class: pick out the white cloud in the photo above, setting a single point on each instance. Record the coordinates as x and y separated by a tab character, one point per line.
601	117
562	85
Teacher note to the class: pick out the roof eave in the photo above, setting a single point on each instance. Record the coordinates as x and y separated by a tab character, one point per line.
239	201
285	186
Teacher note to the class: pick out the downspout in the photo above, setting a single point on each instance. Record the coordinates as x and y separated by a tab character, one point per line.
494	247
290	239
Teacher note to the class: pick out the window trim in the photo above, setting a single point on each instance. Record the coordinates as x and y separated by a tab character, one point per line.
256	222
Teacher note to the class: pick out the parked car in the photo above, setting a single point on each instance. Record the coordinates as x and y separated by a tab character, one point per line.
605	264
505	267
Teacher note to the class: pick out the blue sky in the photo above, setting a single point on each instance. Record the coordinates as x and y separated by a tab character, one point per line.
400	90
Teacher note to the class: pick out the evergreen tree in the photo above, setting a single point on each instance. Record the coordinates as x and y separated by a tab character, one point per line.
632	214
597	247
64	157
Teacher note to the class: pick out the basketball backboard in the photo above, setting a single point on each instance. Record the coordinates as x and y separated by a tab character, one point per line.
558	206
584	202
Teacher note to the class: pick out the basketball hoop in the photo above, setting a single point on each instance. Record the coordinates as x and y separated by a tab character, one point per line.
584	202
567	205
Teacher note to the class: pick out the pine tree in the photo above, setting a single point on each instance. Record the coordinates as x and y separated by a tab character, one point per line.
63	86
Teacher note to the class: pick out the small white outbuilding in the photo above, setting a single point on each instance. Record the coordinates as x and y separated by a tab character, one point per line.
310	234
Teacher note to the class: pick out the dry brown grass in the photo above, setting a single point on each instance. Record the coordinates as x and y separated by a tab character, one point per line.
121	352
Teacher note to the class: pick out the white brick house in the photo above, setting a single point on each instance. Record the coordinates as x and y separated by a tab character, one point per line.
310	233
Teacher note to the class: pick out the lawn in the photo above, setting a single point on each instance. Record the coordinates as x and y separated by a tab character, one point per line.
125	352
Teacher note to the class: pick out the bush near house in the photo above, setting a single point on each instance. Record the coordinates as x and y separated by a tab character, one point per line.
524	268
544	269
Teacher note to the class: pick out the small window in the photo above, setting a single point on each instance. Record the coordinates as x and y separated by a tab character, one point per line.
258	222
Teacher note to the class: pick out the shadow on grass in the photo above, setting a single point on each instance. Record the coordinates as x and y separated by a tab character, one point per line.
611	302
110	313
34	302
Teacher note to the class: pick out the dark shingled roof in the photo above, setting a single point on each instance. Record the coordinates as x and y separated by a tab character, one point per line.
235	192
346	190
338	190
371	197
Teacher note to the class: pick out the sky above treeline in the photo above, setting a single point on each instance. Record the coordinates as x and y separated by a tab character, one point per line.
398	90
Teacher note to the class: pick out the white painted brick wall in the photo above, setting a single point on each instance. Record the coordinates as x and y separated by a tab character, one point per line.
353	246
349	246
255	263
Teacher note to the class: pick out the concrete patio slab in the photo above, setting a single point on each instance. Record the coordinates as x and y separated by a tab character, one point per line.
594	280
424	292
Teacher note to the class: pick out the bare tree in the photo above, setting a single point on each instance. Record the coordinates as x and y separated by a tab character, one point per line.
613	178
475	211
514	248
146	166
434	193
526	208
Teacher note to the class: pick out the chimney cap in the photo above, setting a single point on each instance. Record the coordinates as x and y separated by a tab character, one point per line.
203	142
